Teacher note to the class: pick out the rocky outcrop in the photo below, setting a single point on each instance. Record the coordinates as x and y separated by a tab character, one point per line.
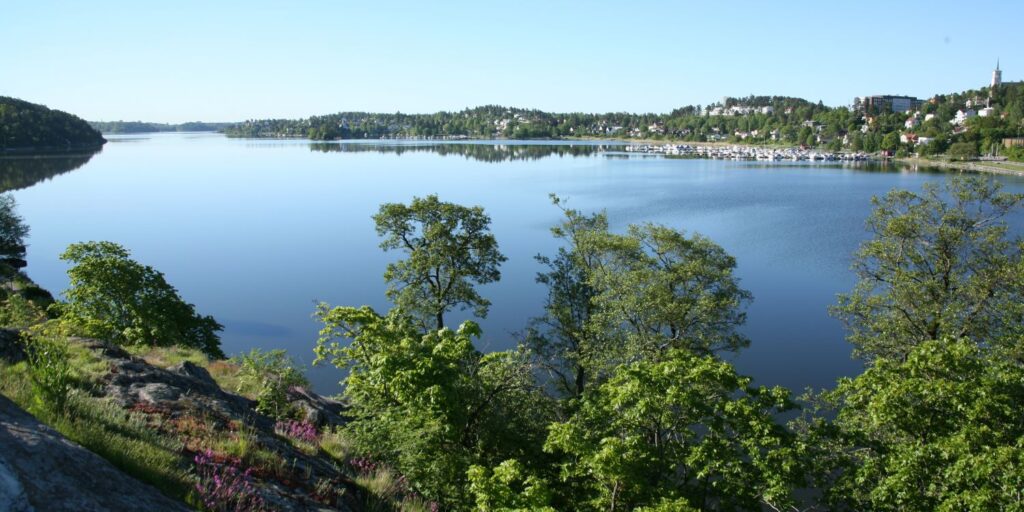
186	391
176	400
318	410
40	470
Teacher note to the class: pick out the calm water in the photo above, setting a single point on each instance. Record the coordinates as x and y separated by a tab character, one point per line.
255	232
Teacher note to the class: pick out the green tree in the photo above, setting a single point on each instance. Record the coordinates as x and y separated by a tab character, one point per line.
12	232
560	337
659	288
117	299
939	430
431	404
963	150
449	249
891	141
613	298
685	431
936	268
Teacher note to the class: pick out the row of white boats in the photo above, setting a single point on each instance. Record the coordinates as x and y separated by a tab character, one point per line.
746	153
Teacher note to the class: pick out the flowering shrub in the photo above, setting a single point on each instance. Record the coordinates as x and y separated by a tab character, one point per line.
302	431
223	487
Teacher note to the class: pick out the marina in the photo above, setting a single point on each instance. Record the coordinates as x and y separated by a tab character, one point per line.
737	152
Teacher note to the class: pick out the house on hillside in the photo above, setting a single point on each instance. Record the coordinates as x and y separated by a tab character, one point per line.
962	116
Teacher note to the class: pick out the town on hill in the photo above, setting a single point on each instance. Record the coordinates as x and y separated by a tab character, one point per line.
984	121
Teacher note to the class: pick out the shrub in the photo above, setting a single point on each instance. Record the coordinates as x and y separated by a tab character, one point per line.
268	376
17	312
50	369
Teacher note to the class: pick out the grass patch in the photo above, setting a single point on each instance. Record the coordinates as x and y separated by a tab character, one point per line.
224	372
165	357
382	488
336	444
87	368
124	439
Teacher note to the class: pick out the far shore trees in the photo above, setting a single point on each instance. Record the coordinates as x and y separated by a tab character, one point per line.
449	249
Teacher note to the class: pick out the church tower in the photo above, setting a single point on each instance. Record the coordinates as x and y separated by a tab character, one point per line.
997	76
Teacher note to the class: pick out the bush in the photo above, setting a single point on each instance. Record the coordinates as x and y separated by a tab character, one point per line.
117	299
17	312
268	376
49	369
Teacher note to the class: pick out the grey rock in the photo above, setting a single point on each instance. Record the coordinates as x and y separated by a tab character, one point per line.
41	470
318	410
12	494
157	392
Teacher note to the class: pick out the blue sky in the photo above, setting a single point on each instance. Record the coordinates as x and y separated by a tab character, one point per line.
226	61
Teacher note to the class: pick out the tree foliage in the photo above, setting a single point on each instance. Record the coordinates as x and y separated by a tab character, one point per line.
939	265
561	338
614	298
117	299
939	430
13	230
449	249
685	428
430	403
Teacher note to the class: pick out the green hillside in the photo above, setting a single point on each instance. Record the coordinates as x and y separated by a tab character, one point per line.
30	128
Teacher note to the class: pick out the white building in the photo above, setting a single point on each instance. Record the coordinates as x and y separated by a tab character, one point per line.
962	116
911	123
928	117
987	111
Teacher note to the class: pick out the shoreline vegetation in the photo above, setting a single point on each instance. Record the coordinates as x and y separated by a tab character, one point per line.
619	396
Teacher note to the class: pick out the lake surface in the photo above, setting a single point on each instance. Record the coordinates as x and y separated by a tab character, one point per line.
254	232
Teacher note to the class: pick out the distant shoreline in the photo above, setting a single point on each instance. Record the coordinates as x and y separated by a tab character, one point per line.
968	166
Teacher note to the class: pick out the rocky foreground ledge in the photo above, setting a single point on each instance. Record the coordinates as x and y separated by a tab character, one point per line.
41	470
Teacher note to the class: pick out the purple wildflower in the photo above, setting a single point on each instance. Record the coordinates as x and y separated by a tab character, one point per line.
302	431
223	487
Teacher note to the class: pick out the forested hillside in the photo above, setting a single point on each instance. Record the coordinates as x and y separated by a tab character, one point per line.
144	127
28	127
